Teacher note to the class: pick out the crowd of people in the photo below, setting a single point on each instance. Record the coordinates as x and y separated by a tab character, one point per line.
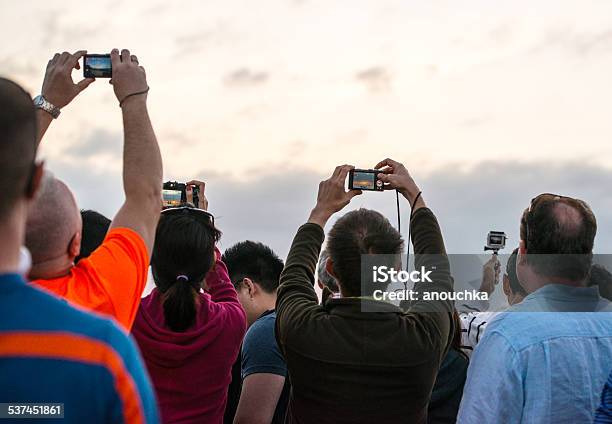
242	336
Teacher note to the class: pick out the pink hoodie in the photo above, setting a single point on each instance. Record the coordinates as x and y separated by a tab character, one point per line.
192	370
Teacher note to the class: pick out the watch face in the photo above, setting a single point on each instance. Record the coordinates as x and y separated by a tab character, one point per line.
38	101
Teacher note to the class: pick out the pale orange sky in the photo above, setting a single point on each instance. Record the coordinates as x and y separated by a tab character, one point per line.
241	88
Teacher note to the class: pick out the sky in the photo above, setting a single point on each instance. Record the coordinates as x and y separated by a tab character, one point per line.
486	103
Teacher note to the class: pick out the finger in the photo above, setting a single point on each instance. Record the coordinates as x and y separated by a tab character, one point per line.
353	193
125	56
115	58
386	170
84	83
336	171
53	61
134	59
388	162
64	57
73	61
189	192
344	170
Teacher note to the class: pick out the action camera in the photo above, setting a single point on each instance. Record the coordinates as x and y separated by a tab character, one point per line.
175	194
496	240
365	179
97	66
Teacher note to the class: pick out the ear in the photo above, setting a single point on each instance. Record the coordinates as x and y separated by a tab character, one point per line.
250	286
521	258
506	286
35	179
74	248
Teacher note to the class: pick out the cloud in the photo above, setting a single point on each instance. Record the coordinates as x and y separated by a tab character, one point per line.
99	142
375	78
245	77
575	42
270	204
475	121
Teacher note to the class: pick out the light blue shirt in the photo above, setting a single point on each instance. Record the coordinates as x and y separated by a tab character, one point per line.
542	367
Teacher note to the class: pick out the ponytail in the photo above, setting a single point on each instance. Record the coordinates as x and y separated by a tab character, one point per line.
180	305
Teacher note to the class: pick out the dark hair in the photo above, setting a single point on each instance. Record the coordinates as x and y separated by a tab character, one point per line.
183	253
17	143
95	227
602	278
557	244
515	285
360	232
249	259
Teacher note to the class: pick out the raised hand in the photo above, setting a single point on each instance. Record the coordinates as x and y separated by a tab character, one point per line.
332	196
58	86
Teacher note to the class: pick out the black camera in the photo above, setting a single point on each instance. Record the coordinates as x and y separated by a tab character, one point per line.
365	179
175	194
97	66
496	241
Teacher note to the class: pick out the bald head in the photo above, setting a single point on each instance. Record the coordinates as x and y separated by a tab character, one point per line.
559	234
53	221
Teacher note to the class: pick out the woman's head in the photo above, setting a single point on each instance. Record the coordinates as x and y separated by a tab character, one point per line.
183	253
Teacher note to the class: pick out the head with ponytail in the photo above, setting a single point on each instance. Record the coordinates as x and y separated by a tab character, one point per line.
357	233
183	253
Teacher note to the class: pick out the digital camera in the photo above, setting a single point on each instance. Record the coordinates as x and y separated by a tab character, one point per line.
365	179
174	194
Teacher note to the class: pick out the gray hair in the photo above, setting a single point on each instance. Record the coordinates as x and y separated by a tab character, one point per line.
324	277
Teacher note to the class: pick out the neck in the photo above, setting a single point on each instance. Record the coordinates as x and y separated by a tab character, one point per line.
53	268
536	281
12	230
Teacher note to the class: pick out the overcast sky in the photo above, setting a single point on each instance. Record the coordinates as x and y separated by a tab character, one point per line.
487	103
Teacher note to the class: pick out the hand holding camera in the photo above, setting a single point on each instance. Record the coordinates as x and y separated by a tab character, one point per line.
490	275
58	86
129	79
332	196
194	191
395	176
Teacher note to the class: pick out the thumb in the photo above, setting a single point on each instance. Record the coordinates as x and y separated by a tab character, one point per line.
84	83
353	193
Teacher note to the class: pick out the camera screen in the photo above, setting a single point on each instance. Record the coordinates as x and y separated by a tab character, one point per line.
495	240
97	66
171	198
364	180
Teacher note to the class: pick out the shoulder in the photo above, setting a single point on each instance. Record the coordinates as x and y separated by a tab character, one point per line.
261	330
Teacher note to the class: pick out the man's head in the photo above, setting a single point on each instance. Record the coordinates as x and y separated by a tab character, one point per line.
357	233
95	227
53	229
19	175
255	271
513	290
557	237
323	277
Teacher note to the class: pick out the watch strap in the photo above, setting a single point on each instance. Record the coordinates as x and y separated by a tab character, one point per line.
41	103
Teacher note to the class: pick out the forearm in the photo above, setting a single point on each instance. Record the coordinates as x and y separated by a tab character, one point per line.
297	279
219	285
142	163
43	120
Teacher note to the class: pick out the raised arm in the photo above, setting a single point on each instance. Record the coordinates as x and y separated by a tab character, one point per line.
142	163
296	293
58	88
429	251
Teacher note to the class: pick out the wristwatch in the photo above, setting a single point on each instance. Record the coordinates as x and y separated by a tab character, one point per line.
41	103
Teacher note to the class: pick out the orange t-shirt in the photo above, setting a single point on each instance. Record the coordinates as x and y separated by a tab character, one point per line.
110	281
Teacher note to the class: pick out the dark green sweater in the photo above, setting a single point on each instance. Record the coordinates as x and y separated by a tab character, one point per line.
350	366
